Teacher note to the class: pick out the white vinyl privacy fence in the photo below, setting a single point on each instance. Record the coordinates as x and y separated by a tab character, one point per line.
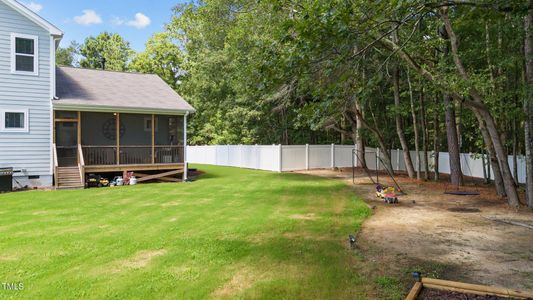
281	158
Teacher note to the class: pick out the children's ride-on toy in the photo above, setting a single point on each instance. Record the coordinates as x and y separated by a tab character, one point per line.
387	194
96	181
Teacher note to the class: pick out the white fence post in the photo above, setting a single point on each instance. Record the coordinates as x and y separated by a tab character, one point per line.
398	159
228	147
280	158
333	156
378	165
307	156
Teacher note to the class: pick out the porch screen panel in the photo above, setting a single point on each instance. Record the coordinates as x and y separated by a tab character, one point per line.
98	138
66	114
169	139
136	142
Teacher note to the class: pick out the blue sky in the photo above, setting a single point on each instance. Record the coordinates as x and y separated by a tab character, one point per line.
135	20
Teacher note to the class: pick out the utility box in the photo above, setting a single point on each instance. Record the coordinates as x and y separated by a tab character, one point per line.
6	180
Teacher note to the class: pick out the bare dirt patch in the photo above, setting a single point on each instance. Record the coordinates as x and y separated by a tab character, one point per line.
8	257
240	281
310	216
143	258
246	276
445	236
140	260
172	203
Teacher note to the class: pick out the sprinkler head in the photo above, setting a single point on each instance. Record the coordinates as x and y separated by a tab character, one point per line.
417	276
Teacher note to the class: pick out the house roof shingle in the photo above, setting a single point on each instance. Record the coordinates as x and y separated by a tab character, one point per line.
85	88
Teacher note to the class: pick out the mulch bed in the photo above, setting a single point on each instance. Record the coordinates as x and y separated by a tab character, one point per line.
431	294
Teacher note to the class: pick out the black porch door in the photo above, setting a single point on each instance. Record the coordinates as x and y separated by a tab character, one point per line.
67	143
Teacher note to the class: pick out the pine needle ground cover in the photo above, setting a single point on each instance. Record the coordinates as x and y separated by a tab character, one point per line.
233	233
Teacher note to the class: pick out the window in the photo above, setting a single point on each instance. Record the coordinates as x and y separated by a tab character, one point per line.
24	54
148	124
14	120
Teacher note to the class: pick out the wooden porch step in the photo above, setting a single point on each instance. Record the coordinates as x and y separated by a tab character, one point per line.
70	187
69	178
66	179
77	175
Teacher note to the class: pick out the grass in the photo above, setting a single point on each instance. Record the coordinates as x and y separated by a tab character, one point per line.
232	234
389	288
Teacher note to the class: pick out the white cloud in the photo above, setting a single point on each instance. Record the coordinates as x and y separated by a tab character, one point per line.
141	21
36	7
89	17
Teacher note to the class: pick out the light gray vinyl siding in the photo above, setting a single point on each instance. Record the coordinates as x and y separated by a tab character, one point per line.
25	151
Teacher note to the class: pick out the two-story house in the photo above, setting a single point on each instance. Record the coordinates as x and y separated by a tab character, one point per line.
57	124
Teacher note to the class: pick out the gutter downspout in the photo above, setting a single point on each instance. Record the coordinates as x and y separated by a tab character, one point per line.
185	163
54	43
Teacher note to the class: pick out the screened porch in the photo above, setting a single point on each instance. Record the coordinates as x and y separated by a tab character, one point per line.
102	139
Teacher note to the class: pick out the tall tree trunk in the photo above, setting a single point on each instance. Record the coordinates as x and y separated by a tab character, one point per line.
501	155
489	164
379	137
436	139
458	125
528	104
423	123
515	151
399	124
456	175
359	139
478	105
475	105
343	135
485	164
493	161
415	127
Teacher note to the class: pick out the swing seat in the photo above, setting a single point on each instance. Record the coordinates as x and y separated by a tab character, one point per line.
461	193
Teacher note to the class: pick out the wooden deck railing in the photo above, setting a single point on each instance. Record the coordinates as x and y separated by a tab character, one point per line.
135	155
132	155
81	164
100	155
168	154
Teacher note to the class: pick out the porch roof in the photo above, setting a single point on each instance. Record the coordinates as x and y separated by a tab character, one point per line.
97	90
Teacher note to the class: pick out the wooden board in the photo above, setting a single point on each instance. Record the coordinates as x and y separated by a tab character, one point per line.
466	288
133	168
166	179
413	294
160	175
476	288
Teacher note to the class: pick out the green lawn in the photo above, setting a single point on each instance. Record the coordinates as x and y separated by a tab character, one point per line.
232	234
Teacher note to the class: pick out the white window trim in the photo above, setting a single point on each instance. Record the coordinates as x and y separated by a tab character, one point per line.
3	112
35	55
149	129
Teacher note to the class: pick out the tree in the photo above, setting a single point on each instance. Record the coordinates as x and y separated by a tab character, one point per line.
67	56
399	124
293	72
106	52
163	57
528	102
